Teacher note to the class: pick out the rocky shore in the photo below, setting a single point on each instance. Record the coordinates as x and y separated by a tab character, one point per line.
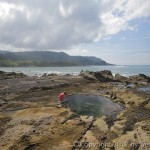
30	120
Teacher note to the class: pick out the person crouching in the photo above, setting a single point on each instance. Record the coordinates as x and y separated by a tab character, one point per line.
62	101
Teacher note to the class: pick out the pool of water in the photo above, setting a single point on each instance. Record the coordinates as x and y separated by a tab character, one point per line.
144	89
130	86
92	105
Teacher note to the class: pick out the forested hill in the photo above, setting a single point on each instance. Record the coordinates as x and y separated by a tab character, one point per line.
46	58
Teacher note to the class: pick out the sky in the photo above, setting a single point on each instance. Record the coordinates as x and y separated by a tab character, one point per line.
117	31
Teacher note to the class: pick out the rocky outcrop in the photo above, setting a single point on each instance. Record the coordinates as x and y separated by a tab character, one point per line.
103	76
51	75
2	72
5	75
121	78
140	78
60	85
88	75
106	73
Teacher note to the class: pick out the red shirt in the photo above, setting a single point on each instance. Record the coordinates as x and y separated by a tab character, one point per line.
61	96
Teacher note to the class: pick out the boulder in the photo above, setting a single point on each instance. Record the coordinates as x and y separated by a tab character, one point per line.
88	75
106	73
11	74
44	75
120	77
103	76
140	78
2	72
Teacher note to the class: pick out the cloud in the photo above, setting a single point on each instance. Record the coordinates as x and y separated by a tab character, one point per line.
63	24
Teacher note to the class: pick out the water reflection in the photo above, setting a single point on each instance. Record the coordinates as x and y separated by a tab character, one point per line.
92	105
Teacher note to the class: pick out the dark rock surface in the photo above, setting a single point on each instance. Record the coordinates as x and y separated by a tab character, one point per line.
140	78
102	76
121	78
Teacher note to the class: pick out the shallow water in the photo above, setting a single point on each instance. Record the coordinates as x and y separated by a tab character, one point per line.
92	105
144	89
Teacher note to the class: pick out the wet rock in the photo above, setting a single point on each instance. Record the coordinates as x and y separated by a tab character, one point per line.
15	74
140	78
31	147
44	75
7	75
106	73
2	72
11	73
103	77
53	74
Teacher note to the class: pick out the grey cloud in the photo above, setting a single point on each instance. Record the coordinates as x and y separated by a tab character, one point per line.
55	24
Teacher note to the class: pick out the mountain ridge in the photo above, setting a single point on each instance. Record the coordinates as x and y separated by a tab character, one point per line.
46	59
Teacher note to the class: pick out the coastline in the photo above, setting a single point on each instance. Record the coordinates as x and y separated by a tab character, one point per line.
125	70
29	117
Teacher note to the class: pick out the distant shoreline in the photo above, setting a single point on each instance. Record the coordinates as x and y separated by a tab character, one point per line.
125	70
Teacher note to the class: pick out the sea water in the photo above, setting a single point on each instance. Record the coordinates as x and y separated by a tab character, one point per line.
126	70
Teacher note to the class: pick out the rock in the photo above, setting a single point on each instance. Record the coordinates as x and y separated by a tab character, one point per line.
2	103
103	77
44	75
106	73
7	75
113	96
131	103
2	72
52	74
120	77
144	76
140	78
11	73
88	75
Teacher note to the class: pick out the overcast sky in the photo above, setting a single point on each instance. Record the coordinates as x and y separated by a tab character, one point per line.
117	31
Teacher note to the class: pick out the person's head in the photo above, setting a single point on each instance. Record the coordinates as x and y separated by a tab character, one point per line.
65	93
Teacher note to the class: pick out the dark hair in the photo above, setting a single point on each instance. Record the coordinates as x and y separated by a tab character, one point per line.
65	93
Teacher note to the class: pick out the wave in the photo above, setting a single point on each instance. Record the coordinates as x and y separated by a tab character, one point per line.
119	66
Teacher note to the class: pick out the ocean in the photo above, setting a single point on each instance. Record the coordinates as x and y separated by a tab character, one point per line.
126	70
